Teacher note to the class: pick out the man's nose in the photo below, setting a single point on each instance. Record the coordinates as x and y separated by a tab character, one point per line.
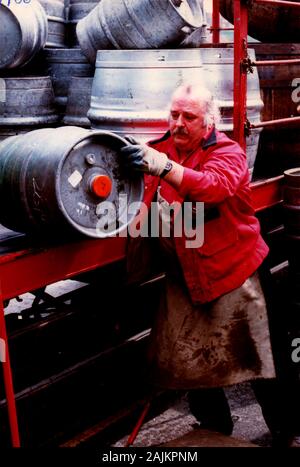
179	121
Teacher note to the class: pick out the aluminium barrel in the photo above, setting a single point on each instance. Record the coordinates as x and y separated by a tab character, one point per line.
132	89
55	11
29	104
61	65
67	179
77	11
23	32
136	24
79	98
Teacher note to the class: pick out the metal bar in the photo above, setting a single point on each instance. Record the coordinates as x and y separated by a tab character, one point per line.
138	425
279	121
220	29
240	77
267	193
8	381
57	262
216	21
275	62
278	2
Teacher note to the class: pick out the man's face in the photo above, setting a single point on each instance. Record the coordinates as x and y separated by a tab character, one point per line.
186	122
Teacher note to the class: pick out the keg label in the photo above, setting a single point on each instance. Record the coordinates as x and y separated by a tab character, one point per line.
75	178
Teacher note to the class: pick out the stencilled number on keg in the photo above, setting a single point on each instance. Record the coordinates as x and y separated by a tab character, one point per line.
10	2
2	95
37	199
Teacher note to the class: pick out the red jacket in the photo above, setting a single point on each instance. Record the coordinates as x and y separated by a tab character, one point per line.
216	174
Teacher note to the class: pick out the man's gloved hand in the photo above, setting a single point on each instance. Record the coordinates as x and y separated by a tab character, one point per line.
142	158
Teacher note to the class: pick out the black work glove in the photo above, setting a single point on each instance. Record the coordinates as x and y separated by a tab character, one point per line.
142	158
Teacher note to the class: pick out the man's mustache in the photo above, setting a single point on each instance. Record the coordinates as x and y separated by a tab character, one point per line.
180	131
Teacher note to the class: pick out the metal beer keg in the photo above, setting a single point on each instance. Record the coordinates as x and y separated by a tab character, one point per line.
23	32
132	90
68	178
137	24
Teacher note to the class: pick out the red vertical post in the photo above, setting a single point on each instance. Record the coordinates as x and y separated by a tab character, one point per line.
216	21
240	75
8	382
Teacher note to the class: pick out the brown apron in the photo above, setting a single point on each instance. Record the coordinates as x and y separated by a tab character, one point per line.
219	343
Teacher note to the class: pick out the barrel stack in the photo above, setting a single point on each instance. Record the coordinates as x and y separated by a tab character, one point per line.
139	48
120	70
56	179
28	99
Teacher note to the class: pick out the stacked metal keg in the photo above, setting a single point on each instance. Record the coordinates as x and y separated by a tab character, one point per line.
54	179
28	100
142	57
33	46
138	49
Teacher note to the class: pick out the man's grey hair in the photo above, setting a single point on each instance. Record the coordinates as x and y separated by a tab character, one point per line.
203	96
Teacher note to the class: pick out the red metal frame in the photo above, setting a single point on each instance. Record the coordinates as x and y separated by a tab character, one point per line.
240	75
267	193
8	383
215	27
30	269
278	2
33	268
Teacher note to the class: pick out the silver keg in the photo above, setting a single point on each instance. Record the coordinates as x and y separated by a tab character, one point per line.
77	11
29	104
64	179
132	89
61	65
79	98
23	32
137	24
55	11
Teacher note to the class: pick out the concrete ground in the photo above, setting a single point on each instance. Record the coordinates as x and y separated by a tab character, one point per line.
175	422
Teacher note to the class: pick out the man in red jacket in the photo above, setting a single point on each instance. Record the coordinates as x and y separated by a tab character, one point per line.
212	326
